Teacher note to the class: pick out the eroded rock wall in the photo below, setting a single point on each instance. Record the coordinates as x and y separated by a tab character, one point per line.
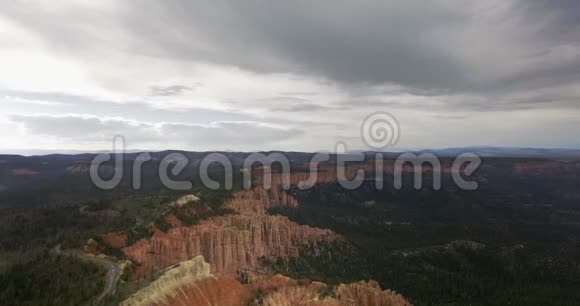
230	242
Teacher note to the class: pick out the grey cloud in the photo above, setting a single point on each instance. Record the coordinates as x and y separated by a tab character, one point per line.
371	41
246	134
57	97
297	108
138	110
85	128
450	117
173	90
284	100
415	44
291	104
299	93
564	16
223	135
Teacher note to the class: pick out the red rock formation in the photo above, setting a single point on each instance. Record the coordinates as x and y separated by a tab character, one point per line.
257	200
328	173
228	243
234	243
192	284
544	167
367	294
231	242
115	240
172	220
24	171
212	291
281	291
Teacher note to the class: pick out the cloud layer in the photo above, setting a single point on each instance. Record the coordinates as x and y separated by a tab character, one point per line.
91	130
295	75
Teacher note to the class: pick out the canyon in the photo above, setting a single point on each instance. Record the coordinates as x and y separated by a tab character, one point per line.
230	246
271	246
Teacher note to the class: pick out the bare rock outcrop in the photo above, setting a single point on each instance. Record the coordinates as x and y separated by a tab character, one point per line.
169	284
368	294
230	242
356	294
258	200
212	291
190	283
189	198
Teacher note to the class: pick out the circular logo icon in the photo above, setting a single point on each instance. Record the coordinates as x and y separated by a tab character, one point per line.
380	130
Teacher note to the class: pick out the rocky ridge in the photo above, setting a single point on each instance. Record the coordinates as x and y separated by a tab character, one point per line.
168	284
230	242
191	284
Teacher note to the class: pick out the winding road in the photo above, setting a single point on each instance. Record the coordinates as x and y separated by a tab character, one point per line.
112	267
113	271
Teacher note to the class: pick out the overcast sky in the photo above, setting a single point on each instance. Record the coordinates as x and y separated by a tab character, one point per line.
287	75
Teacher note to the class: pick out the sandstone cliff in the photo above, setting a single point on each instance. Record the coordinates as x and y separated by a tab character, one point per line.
257	200
230	242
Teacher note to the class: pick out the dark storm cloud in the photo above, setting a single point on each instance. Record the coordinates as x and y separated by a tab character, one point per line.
424	47
358	42
367	41
564	16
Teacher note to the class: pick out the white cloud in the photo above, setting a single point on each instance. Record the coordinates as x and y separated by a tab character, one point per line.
96	132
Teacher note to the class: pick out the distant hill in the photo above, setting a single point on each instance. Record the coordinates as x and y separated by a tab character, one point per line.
509	152
33	179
